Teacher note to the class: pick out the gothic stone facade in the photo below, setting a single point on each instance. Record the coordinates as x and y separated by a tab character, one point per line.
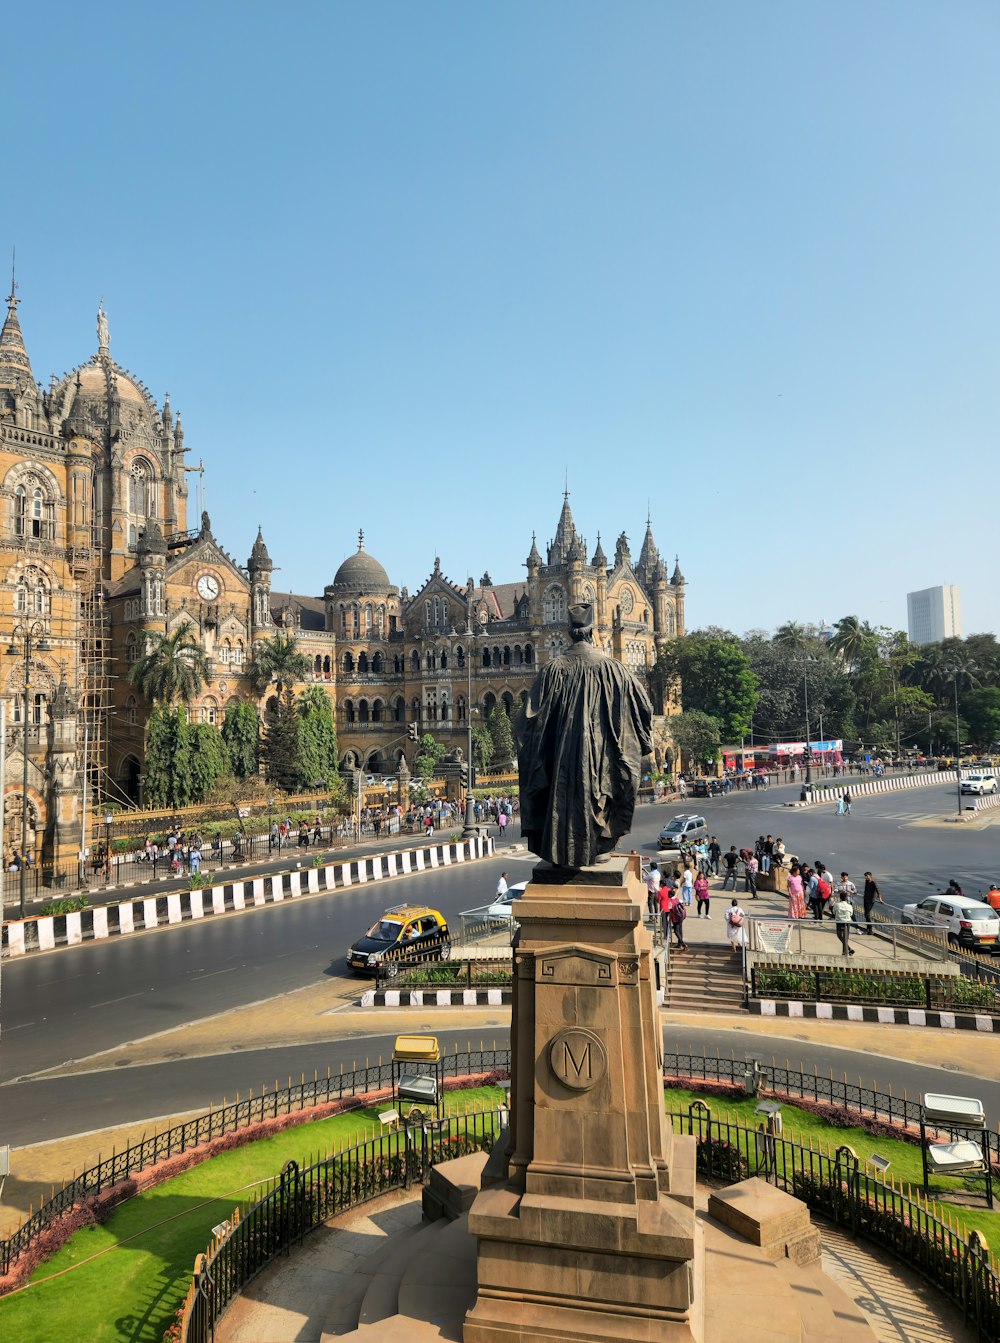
96	554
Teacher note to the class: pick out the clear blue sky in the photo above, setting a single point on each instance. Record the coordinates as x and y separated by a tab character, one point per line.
401	266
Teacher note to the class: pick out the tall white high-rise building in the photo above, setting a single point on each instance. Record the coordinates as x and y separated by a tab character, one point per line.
934	614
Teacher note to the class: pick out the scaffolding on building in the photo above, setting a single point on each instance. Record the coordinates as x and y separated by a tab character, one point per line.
95	680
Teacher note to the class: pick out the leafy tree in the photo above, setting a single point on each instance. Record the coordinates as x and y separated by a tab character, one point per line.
502	737
282	750
173	668
241	733
430	753
482	746
849	640
317	737
277	662
209	760
169	770
981	710
716	679
793	637
696	735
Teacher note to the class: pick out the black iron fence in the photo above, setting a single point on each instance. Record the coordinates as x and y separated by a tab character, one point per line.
303	1199
833	1184
432	972
836	1185
356	1086
888	988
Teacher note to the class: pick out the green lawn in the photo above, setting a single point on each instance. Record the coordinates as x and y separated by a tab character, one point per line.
123	1282
801	1126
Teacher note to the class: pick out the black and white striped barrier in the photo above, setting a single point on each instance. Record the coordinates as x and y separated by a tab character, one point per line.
46	932
885	1016
446	998
882	785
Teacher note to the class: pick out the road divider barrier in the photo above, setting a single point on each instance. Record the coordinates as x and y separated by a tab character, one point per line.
880	785
46	932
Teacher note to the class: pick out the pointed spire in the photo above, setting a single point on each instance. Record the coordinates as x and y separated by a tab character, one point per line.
600	560
577	554
534	560
15	367
168	414
649	554
259	557
678	578
565	531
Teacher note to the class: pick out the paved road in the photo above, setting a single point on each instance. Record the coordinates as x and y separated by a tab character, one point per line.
70	1004
44	1109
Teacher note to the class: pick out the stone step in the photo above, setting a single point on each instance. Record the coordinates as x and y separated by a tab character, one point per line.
439	1283
381	1299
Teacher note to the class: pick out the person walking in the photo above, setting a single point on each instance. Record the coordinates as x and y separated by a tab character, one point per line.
502	886
843	912
796	898
702	894
735	919
714	854
678	913
840	806
665	901
687	886
870	895
846	799
846	889
502	823
731	859
654	880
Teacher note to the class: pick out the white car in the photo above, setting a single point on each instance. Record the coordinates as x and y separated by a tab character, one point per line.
979	784
970	923
503	906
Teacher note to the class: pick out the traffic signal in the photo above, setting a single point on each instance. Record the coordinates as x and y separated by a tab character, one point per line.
413	732
463	774
808	753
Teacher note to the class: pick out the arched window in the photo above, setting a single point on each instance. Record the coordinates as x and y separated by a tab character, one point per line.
327	667
506	656
239	653
415	710
363	711
518	656
131	712
489	703
377	708
444	659
554	605
460	657
427	613
131	648
429	660
508	703
348	662
378	663
460	708
497	657
362	664
528	655
415	661
368	619
444	709
225	652
486	657
20	510
210	712
37	511
399	709
398	663
349	710
343	619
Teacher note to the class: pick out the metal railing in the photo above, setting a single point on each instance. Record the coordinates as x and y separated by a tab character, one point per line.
831	1183
778	935
836	1185
432	971
872	985
356	1085
302	1199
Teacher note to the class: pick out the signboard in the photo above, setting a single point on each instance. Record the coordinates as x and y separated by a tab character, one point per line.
772	936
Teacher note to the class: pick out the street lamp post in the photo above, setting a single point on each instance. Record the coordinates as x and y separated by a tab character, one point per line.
958	750
470	827
32	632
805	683
109	821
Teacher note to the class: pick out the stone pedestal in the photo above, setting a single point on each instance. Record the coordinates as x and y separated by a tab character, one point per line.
589	1232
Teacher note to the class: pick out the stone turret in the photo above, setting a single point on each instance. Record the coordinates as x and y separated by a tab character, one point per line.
678	582
565	532
151	553
600	560
648	556
534	560
259	567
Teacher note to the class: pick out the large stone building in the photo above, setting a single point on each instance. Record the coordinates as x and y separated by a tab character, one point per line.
96	555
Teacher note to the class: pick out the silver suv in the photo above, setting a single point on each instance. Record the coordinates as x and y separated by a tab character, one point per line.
683	830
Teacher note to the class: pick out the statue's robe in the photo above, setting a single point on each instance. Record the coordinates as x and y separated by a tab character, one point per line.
581	738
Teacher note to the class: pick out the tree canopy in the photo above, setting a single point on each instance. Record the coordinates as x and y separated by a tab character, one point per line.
716	679
173	668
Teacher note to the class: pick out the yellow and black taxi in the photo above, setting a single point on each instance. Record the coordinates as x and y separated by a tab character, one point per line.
403	934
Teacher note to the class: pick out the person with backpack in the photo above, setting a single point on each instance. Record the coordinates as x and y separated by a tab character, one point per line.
735	920
823	890
678	913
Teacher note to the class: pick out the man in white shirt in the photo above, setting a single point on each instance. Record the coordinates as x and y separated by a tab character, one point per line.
653	882
502	885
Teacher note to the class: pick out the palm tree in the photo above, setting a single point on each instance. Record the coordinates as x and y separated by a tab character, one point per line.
278	662
174	667
791	636
848	641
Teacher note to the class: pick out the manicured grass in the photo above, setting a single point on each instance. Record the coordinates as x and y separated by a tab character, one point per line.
147	1248
801	1126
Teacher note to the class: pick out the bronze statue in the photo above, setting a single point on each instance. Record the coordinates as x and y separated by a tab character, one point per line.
581	737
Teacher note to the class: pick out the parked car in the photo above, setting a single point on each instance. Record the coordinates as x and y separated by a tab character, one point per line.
707	787
970	923
403	933
979	784
683	830
503	906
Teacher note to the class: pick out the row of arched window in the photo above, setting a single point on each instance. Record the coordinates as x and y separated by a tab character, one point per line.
357	621
434	659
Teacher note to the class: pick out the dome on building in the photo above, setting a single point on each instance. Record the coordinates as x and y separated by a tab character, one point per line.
361	574
100	396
